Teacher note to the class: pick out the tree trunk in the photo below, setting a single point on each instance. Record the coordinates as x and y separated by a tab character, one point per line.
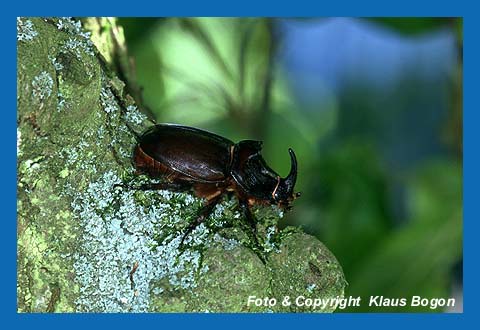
87	245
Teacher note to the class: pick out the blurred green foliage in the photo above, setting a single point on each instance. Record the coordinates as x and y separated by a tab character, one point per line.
220	74
414	25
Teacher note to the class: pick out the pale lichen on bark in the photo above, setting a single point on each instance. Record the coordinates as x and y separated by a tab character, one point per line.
85	244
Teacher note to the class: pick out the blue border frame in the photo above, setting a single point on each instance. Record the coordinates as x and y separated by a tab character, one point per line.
245	8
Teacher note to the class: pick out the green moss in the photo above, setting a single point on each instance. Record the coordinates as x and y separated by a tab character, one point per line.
305	267
63	173
232	276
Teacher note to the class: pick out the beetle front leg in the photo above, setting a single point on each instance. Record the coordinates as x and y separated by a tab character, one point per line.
249	216
253	225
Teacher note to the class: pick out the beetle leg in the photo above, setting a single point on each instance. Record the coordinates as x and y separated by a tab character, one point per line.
178	187
203	214
253	225
249	216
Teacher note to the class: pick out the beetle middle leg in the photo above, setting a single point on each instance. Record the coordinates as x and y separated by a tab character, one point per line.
202	215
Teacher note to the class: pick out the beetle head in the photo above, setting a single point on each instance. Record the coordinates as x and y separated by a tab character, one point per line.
258	180
283	193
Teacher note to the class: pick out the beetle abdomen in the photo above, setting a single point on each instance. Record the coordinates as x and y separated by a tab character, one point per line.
198	154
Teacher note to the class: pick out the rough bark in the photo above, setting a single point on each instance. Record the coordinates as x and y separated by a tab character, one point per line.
85	244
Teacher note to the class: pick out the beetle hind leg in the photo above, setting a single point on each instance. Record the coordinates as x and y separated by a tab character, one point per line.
177	187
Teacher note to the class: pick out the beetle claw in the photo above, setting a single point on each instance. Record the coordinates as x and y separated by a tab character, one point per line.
120	186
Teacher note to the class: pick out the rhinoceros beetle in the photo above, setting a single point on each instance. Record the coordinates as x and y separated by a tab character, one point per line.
188	158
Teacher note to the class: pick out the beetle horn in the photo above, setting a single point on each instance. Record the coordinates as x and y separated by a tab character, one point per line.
291	178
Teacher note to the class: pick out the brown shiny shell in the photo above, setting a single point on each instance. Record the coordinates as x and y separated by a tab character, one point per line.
184	152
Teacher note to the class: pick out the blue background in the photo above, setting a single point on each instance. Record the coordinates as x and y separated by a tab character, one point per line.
244	8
